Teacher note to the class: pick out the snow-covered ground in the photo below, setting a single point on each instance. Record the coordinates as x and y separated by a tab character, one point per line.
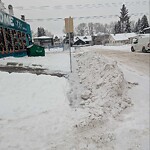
27	95
104	105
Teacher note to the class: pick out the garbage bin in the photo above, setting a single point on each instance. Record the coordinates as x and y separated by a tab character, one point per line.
35	50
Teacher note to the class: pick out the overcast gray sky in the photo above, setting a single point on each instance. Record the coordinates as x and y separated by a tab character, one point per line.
44	9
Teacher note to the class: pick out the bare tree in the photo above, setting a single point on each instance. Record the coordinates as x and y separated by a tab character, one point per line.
48	33
82	29
40	31
97	27
111	27
91	28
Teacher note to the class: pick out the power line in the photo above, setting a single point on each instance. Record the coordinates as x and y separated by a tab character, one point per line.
83	6
85	17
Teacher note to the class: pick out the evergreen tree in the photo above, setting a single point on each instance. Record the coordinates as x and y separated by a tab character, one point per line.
132	24
41	32
144	22
117	28
128	26
138	26
124	19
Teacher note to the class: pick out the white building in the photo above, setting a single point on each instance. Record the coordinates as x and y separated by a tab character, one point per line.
44	41
120	39
58	39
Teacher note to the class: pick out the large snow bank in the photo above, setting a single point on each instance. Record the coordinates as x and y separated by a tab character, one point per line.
99	86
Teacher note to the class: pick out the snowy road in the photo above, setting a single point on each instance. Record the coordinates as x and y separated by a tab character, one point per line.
137	61
107	107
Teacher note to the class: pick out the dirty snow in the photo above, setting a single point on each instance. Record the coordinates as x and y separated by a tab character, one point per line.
113	99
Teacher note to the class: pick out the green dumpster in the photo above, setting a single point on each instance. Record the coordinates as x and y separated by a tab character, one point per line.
35	50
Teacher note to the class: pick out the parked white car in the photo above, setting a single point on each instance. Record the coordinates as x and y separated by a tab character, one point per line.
142	43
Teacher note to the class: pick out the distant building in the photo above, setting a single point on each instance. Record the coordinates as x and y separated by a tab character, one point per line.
100	38
66	39
83	40
58	40
44	41
120	39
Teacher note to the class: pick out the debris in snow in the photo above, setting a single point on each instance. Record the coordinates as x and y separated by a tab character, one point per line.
82	103
86	95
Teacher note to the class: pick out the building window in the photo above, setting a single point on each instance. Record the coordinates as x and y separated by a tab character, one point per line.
2	42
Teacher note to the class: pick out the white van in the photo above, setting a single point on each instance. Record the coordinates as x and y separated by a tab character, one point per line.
142	43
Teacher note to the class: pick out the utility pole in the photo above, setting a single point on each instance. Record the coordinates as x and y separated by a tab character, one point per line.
70	49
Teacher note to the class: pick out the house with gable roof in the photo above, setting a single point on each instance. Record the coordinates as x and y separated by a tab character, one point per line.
83	40
121	39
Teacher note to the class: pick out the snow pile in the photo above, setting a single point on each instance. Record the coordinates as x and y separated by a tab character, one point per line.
101	88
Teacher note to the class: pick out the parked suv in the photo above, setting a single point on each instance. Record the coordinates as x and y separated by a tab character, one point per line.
142	43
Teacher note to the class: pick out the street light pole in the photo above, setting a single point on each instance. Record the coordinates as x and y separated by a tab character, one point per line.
70	44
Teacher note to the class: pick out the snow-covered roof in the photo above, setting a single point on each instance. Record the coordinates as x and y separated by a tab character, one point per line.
130	35
42	37
146	28
123	36
119	37
100	33
60	35
83	38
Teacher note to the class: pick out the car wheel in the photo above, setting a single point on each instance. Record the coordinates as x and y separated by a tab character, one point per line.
132	49
144	50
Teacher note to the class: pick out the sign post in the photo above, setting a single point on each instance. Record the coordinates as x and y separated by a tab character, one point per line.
69	30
